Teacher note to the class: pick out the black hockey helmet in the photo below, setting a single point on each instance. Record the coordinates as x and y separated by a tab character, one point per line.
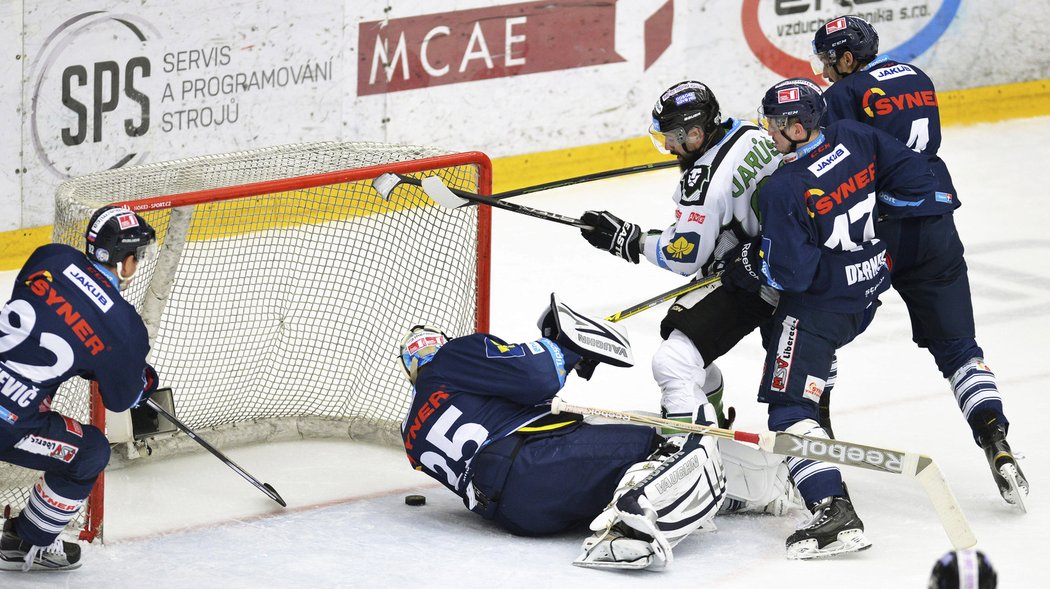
963	569
796	98
681	107
846	33
115	232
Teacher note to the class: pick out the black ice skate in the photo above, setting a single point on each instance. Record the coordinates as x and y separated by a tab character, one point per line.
15	554
834	529
1013	485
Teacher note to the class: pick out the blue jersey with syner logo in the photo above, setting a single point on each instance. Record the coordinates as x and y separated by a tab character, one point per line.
476	390
900	99
818	216
66	318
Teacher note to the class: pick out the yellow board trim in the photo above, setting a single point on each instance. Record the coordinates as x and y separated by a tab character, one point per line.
986	104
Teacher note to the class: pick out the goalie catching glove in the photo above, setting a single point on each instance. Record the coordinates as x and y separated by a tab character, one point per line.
608	232
596	340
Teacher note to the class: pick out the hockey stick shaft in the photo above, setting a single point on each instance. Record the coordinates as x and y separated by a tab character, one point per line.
264	487
453	198
885	460
585	178
671	294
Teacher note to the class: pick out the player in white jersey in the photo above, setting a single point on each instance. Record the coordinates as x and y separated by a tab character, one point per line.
724	164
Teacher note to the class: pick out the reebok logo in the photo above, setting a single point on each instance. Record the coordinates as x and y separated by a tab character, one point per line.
840	453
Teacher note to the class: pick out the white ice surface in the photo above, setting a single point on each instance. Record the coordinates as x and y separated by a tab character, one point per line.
192	522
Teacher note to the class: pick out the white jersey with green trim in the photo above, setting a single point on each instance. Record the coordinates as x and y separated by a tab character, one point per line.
716	201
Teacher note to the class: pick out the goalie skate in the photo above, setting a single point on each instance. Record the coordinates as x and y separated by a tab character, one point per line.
612	549
834	529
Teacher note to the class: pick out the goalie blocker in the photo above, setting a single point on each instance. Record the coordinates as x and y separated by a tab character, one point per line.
596	340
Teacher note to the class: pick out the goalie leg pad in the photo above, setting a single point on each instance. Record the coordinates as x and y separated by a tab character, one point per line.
665	498
756	481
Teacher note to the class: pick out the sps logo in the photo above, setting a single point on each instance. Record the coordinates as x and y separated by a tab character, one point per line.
90	96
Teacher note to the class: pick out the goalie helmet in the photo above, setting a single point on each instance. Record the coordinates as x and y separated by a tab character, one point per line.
114	233
963	569
846	33
418	347
796	98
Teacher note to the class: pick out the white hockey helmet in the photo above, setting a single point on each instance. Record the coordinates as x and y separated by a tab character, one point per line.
418	347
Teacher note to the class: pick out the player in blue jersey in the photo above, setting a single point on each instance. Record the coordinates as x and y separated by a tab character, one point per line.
924	248
818	248
65	319
480	423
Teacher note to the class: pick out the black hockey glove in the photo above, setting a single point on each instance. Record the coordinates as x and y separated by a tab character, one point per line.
613	235
743	267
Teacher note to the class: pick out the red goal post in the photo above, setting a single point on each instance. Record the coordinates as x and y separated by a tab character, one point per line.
283	284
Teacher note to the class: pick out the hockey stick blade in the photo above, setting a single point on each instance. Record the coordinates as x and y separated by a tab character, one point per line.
439	193
918	466
266	488
385	184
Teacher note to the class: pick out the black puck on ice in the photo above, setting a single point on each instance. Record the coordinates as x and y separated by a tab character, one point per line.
415	500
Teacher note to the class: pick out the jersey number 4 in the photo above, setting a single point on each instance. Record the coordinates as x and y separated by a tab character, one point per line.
919	137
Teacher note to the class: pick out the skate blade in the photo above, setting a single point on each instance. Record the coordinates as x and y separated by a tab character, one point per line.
847	541
635	565
1017	493
591	558
17	563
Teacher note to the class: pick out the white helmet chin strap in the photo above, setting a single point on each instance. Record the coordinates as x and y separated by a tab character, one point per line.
124	280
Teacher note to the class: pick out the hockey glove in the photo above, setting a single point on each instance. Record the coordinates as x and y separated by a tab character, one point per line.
743	267
595	340
149	386
613	235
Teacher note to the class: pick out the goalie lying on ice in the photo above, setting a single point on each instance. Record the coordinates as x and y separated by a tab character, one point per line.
480	424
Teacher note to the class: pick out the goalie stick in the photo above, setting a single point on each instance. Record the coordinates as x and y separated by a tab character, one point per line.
264	487
453	198
918	466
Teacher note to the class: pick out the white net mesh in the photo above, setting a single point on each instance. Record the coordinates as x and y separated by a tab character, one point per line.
285	305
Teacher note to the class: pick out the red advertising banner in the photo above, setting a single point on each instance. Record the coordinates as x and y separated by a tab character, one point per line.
485	43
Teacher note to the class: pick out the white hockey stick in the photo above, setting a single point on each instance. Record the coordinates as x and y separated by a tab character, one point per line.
885	460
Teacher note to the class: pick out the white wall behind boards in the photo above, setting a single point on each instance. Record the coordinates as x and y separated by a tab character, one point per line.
123	82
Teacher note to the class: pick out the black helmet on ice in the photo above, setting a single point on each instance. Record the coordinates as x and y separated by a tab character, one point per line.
963	569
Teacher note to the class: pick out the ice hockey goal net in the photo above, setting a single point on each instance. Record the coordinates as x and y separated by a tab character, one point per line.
283	284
